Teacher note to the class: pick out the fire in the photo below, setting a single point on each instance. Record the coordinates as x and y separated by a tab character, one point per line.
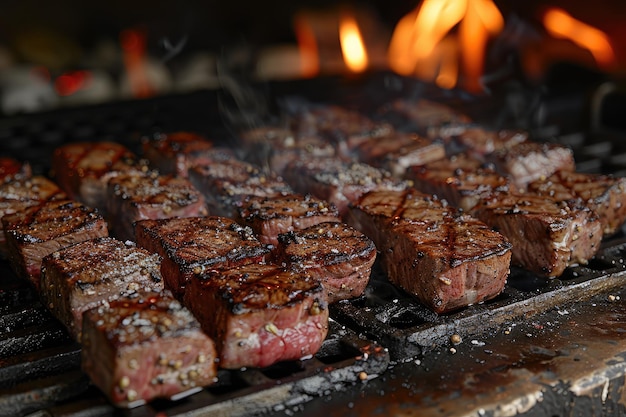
423	45
562	25
352	46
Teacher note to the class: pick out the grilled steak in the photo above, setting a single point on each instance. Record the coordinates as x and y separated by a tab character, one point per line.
345	129
133	197
92	273
39	230
82	169
275	148
270	216
338	181
335	253
19	194
530	161
196	244
477	140
174	153
259	314
11	169
446	259
398	151
460	180
606	195
226	184
547	236
146	346
424	116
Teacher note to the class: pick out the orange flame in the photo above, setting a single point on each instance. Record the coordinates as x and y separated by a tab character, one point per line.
352	46
562	25
419	43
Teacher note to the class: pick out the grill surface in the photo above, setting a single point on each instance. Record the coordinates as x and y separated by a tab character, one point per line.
40	365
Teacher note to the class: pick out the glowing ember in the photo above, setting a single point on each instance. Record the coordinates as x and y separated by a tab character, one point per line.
352	47
562	25
422	42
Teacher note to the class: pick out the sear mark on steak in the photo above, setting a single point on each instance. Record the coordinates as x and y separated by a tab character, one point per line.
547	236
39	230
270	216
260	314
446	259
194	245
143	346
335	253
92	273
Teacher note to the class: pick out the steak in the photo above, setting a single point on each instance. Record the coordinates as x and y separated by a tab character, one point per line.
195	244
174	153
274	148
260	314
270	216
334	253
339	182
345	129
547	236
82	169
92	273
226	184
446	259
604	194
530	161
398	151
39	230
460	180
133	197
146	346
425	116
20	193
478	141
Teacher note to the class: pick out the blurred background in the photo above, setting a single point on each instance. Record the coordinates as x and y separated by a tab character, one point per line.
70	52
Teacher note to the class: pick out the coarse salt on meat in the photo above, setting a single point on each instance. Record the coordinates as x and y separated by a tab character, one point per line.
144	346
37	231
94	272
